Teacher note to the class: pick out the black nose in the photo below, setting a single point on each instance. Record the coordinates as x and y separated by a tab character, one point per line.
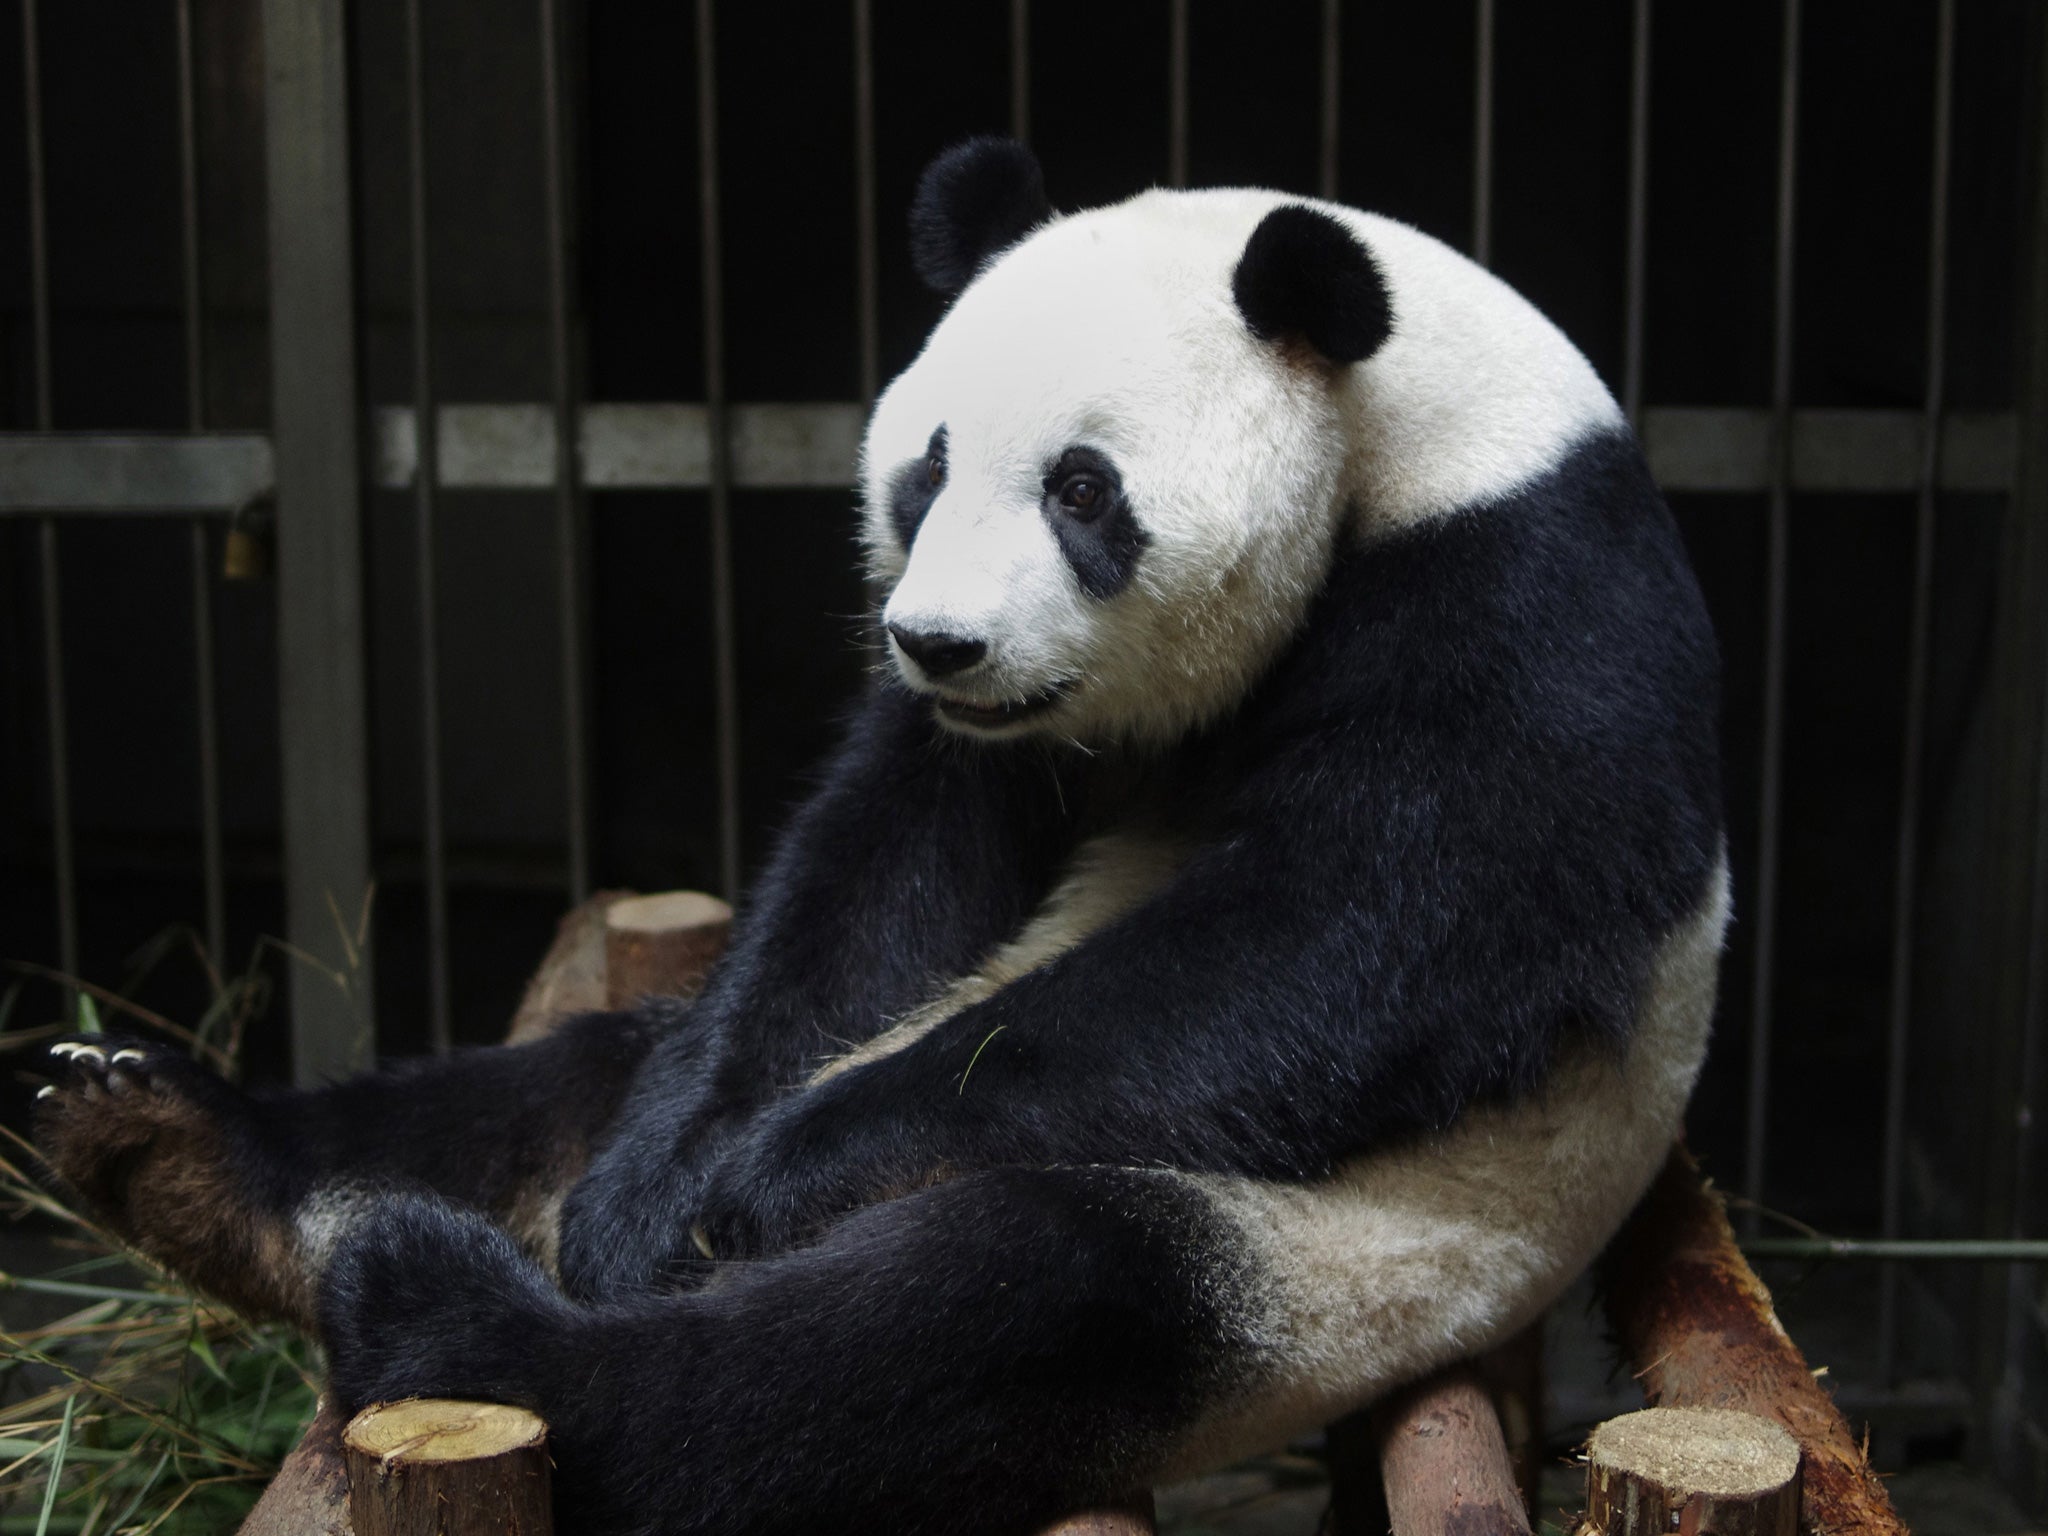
941	655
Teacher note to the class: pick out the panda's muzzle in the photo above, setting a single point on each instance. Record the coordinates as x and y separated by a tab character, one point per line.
991	717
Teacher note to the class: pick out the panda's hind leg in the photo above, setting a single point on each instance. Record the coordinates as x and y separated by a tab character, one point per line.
987	1354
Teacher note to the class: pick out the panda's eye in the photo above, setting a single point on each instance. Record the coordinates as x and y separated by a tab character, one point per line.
1082	496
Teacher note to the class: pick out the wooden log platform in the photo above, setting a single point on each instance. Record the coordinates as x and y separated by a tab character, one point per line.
1700	1329
438	1467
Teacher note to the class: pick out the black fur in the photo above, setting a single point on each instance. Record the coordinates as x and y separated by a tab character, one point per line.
1304	275
1102	545
1444	834
973	201
984	1356
915	486
917	855
1495	742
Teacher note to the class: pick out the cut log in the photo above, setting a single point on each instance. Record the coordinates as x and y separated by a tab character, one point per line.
661	946
309	1495
436	1467
1691	1470
1700	1329
571	975
1444	1463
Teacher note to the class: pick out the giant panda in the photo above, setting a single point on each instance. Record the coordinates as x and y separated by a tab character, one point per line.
1253	946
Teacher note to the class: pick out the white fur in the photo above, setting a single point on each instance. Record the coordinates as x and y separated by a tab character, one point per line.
1116	329
1416	1257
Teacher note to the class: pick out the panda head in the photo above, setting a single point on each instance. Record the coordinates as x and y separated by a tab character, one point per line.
1103	496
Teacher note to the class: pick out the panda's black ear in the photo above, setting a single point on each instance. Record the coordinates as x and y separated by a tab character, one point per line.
1305	276
973	201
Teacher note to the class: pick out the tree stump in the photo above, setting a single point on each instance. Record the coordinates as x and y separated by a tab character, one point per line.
436	1467
1699	1328
661	945
1696	1471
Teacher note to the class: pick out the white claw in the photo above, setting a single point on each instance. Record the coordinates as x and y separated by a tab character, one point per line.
46	1090
128	1053
89	1050
66	1048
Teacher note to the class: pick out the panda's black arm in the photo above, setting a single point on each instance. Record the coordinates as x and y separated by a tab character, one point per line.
1250	1020
916	855
1459	821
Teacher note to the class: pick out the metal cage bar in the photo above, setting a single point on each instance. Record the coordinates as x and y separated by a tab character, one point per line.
1906	867
1482	133
565	474
866	249
724	659
323	690
433	832
1177	93
1330	103
1777	557
49	570
1020	70
1636	281
205	700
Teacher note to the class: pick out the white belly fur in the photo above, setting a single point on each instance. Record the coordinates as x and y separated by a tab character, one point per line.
1414	1258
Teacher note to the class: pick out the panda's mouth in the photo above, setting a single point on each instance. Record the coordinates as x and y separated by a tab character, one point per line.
991	717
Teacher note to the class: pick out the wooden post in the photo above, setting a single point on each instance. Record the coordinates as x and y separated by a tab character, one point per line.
570	979
1443	1462
661	946
1691	1470
436	1467
1699	1327
309	1495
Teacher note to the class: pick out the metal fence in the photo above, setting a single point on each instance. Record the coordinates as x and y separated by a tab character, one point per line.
325	450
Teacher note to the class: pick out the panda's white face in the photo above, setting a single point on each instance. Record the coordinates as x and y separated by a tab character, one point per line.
1099	505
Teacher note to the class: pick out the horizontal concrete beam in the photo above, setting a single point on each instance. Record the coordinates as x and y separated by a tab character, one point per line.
667	447
158	472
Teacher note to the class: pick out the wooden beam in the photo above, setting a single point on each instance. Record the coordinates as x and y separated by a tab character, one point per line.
1699	1327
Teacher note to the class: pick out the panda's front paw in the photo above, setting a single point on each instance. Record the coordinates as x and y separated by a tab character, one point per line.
174	1160
423	1298
799	1168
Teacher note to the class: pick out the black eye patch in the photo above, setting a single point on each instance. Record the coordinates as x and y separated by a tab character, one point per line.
915	486
1089	514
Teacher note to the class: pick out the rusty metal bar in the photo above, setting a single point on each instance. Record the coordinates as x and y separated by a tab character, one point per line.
566	476
205	704
433	833
1770	767
724	647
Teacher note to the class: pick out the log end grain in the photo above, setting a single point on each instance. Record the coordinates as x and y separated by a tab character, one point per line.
1714	1471
457	1468
661	945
